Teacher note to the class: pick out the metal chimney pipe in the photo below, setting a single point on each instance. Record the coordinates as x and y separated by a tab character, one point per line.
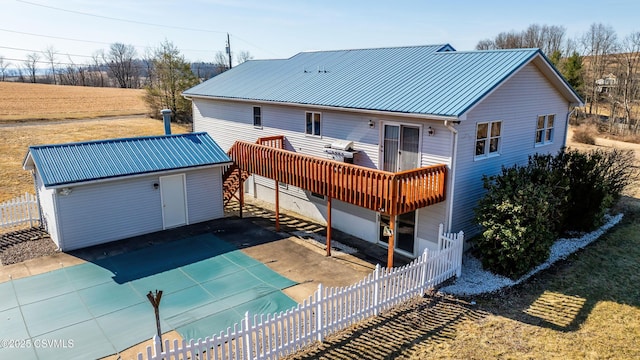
166	118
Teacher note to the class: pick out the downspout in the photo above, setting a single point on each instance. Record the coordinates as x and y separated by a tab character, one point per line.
566	126
452	174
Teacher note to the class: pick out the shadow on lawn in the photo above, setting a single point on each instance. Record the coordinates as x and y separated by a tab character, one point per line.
562	297
395	332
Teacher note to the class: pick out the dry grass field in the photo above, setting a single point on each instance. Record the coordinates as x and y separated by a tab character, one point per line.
16	139
22	101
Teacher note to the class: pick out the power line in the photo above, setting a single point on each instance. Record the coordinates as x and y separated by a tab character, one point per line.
87	41
122	20
147	24
44	52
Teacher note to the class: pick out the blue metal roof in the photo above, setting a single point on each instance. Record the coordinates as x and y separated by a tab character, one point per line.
64	164
430	80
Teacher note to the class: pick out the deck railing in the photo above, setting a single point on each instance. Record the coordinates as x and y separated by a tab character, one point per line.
377	190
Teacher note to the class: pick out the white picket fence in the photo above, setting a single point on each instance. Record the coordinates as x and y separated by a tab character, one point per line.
327	311
19	212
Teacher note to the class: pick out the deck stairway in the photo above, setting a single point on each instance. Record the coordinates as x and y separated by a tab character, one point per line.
233	175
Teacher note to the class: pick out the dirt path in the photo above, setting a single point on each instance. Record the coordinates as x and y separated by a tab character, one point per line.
40	122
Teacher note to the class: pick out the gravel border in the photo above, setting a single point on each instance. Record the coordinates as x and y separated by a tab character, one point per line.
475	280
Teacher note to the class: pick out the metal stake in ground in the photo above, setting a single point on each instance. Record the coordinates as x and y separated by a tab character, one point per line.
154	299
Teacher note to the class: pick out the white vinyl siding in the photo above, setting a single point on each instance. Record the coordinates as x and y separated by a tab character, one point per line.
204	194
46	199
517	102
103	212
114	210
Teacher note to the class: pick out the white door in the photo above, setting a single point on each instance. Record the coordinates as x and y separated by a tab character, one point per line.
174	200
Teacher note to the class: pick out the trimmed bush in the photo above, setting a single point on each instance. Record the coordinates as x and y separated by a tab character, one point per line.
596	181
527	207
520	215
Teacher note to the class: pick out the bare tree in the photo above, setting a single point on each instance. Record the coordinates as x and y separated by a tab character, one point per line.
221	61
121	62
486	44
598	42
3	68
50	54
97	75
547	38
31	66
243	56
627	87
70	74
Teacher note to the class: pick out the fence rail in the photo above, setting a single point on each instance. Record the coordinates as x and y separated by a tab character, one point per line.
328	310
19	211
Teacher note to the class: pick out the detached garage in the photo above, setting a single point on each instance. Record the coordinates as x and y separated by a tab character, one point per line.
100	191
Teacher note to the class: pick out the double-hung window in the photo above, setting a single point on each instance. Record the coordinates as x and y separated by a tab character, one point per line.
313	121
488	135
544	129
257	116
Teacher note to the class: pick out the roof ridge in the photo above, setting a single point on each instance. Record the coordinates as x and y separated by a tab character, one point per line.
123	139
375	48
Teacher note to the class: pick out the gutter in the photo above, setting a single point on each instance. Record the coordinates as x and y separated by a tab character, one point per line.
452	177
328	108
153	173
566	124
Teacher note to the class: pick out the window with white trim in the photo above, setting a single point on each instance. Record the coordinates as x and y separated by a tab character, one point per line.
257	116
312	125
544	129
488	136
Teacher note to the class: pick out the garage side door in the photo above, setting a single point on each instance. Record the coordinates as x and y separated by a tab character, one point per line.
174	200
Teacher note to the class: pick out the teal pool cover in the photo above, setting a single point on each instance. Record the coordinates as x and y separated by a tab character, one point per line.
100	308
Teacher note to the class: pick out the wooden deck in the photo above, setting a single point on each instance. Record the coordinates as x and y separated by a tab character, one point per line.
381	191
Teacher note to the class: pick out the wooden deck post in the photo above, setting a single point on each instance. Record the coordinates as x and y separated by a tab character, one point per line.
392	241
277	206
241	190
328	225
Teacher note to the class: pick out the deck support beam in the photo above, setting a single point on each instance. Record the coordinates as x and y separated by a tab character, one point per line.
277	206
328	226
241	191
392	241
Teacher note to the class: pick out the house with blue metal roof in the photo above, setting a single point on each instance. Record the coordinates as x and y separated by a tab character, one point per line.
393	109
94	192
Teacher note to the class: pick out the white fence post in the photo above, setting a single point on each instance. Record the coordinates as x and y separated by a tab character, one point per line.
376	290
157	347
458	253
248	336
319	322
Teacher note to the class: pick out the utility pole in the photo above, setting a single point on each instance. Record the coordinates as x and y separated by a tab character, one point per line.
228	49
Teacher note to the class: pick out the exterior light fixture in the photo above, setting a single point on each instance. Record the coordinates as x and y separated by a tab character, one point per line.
431	131
371	124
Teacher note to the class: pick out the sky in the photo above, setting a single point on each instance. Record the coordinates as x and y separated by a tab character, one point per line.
267	29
